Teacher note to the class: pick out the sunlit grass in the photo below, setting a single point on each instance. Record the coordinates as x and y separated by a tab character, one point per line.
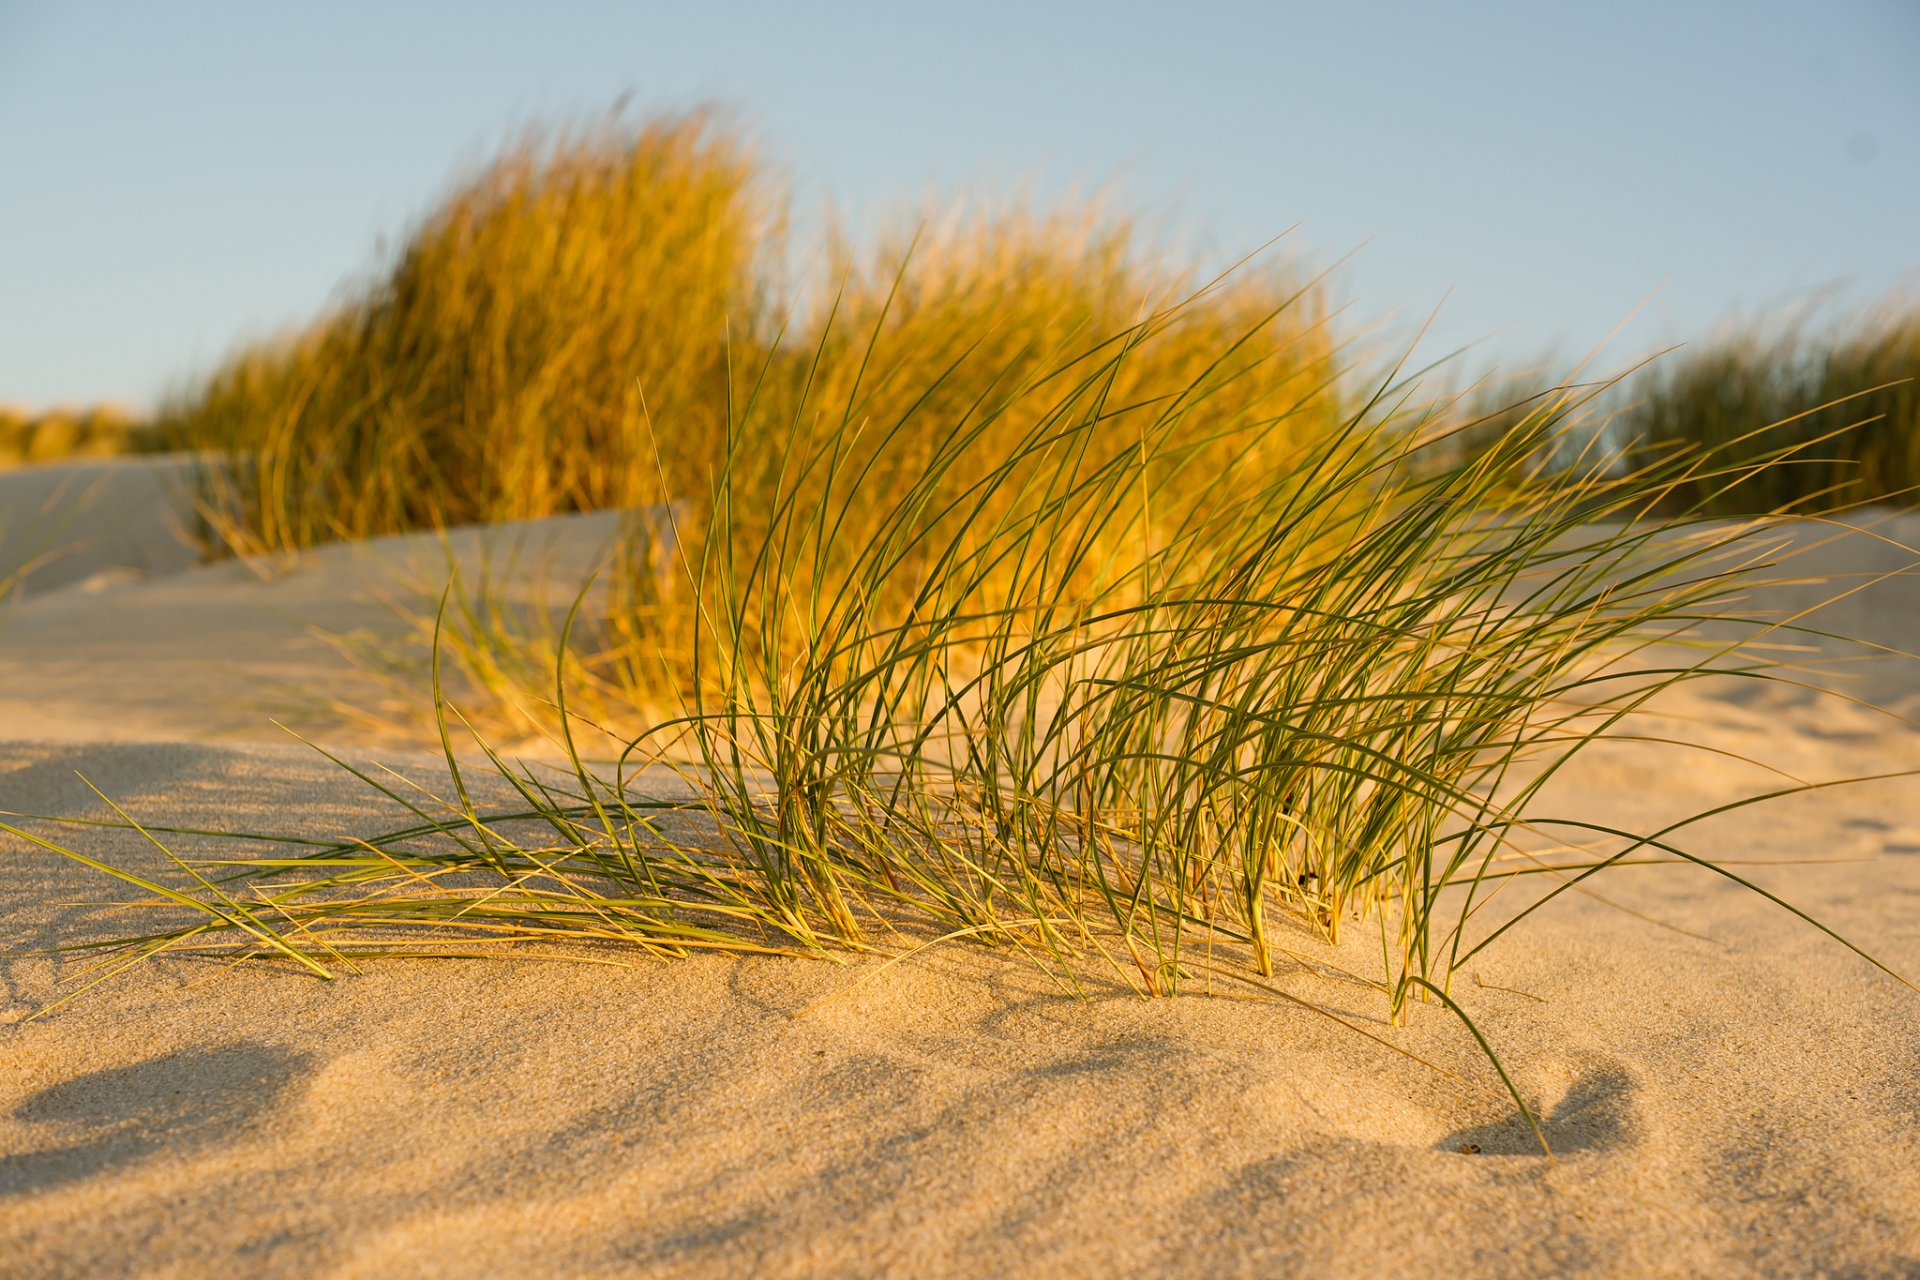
571	329
505	363
60	434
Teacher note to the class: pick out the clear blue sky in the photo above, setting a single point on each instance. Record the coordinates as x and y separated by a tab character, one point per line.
176	177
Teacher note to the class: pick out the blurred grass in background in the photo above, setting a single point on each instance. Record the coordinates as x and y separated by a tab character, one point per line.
571	329
1838	411
102	431
568	330
508	363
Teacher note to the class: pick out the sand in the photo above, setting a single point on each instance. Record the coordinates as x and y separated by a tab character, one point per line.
1728	1091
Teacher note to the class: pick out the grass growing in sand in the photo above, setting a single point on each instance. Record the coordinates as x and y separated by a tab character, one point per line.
1825	421
569	330
494	370
1076	690
1016	594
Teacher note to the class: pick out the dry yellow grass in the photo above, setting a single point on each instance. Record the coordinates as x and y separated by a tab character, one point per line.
498	369
102	431
572	329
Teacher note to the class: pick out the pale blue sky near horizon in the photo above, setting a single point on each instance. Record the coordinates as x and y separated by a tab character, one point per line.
177	179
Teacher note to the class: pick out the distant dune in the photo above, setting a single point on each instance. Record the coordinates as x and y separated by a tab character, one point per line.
64	522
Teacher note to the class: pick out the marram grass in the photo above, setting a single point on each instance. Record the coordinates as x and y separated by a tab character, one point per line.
1822	420
576	327
1149	685
503	365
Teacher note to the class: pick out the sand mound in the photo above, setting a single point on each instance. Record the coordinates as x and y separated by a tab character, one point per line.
1728	1091
219	650
107	520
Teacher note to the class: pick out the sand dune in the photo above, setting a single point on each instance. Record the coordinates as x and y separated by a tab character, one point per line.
1727	1090
106	520
190	652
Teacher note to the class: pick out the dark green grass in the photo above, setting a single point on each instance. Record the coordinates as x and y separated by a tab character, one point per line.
1824	419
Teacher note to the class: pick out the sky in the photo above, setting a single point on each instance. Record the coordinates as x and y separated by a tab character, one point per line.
177	179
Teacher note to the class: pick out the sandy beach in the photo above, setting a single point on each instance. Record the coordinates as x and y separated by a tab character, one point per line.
1727	1091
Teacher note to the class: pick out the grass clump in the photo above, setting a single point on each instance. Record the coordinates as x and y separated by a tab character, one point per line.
1823	421
1087	693
573	328
1003	587
497	370
921	373
102	431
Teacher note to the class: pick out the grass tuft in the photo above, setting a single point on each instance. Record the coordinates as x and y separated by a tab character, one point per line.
497	369
1823	422
102	431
